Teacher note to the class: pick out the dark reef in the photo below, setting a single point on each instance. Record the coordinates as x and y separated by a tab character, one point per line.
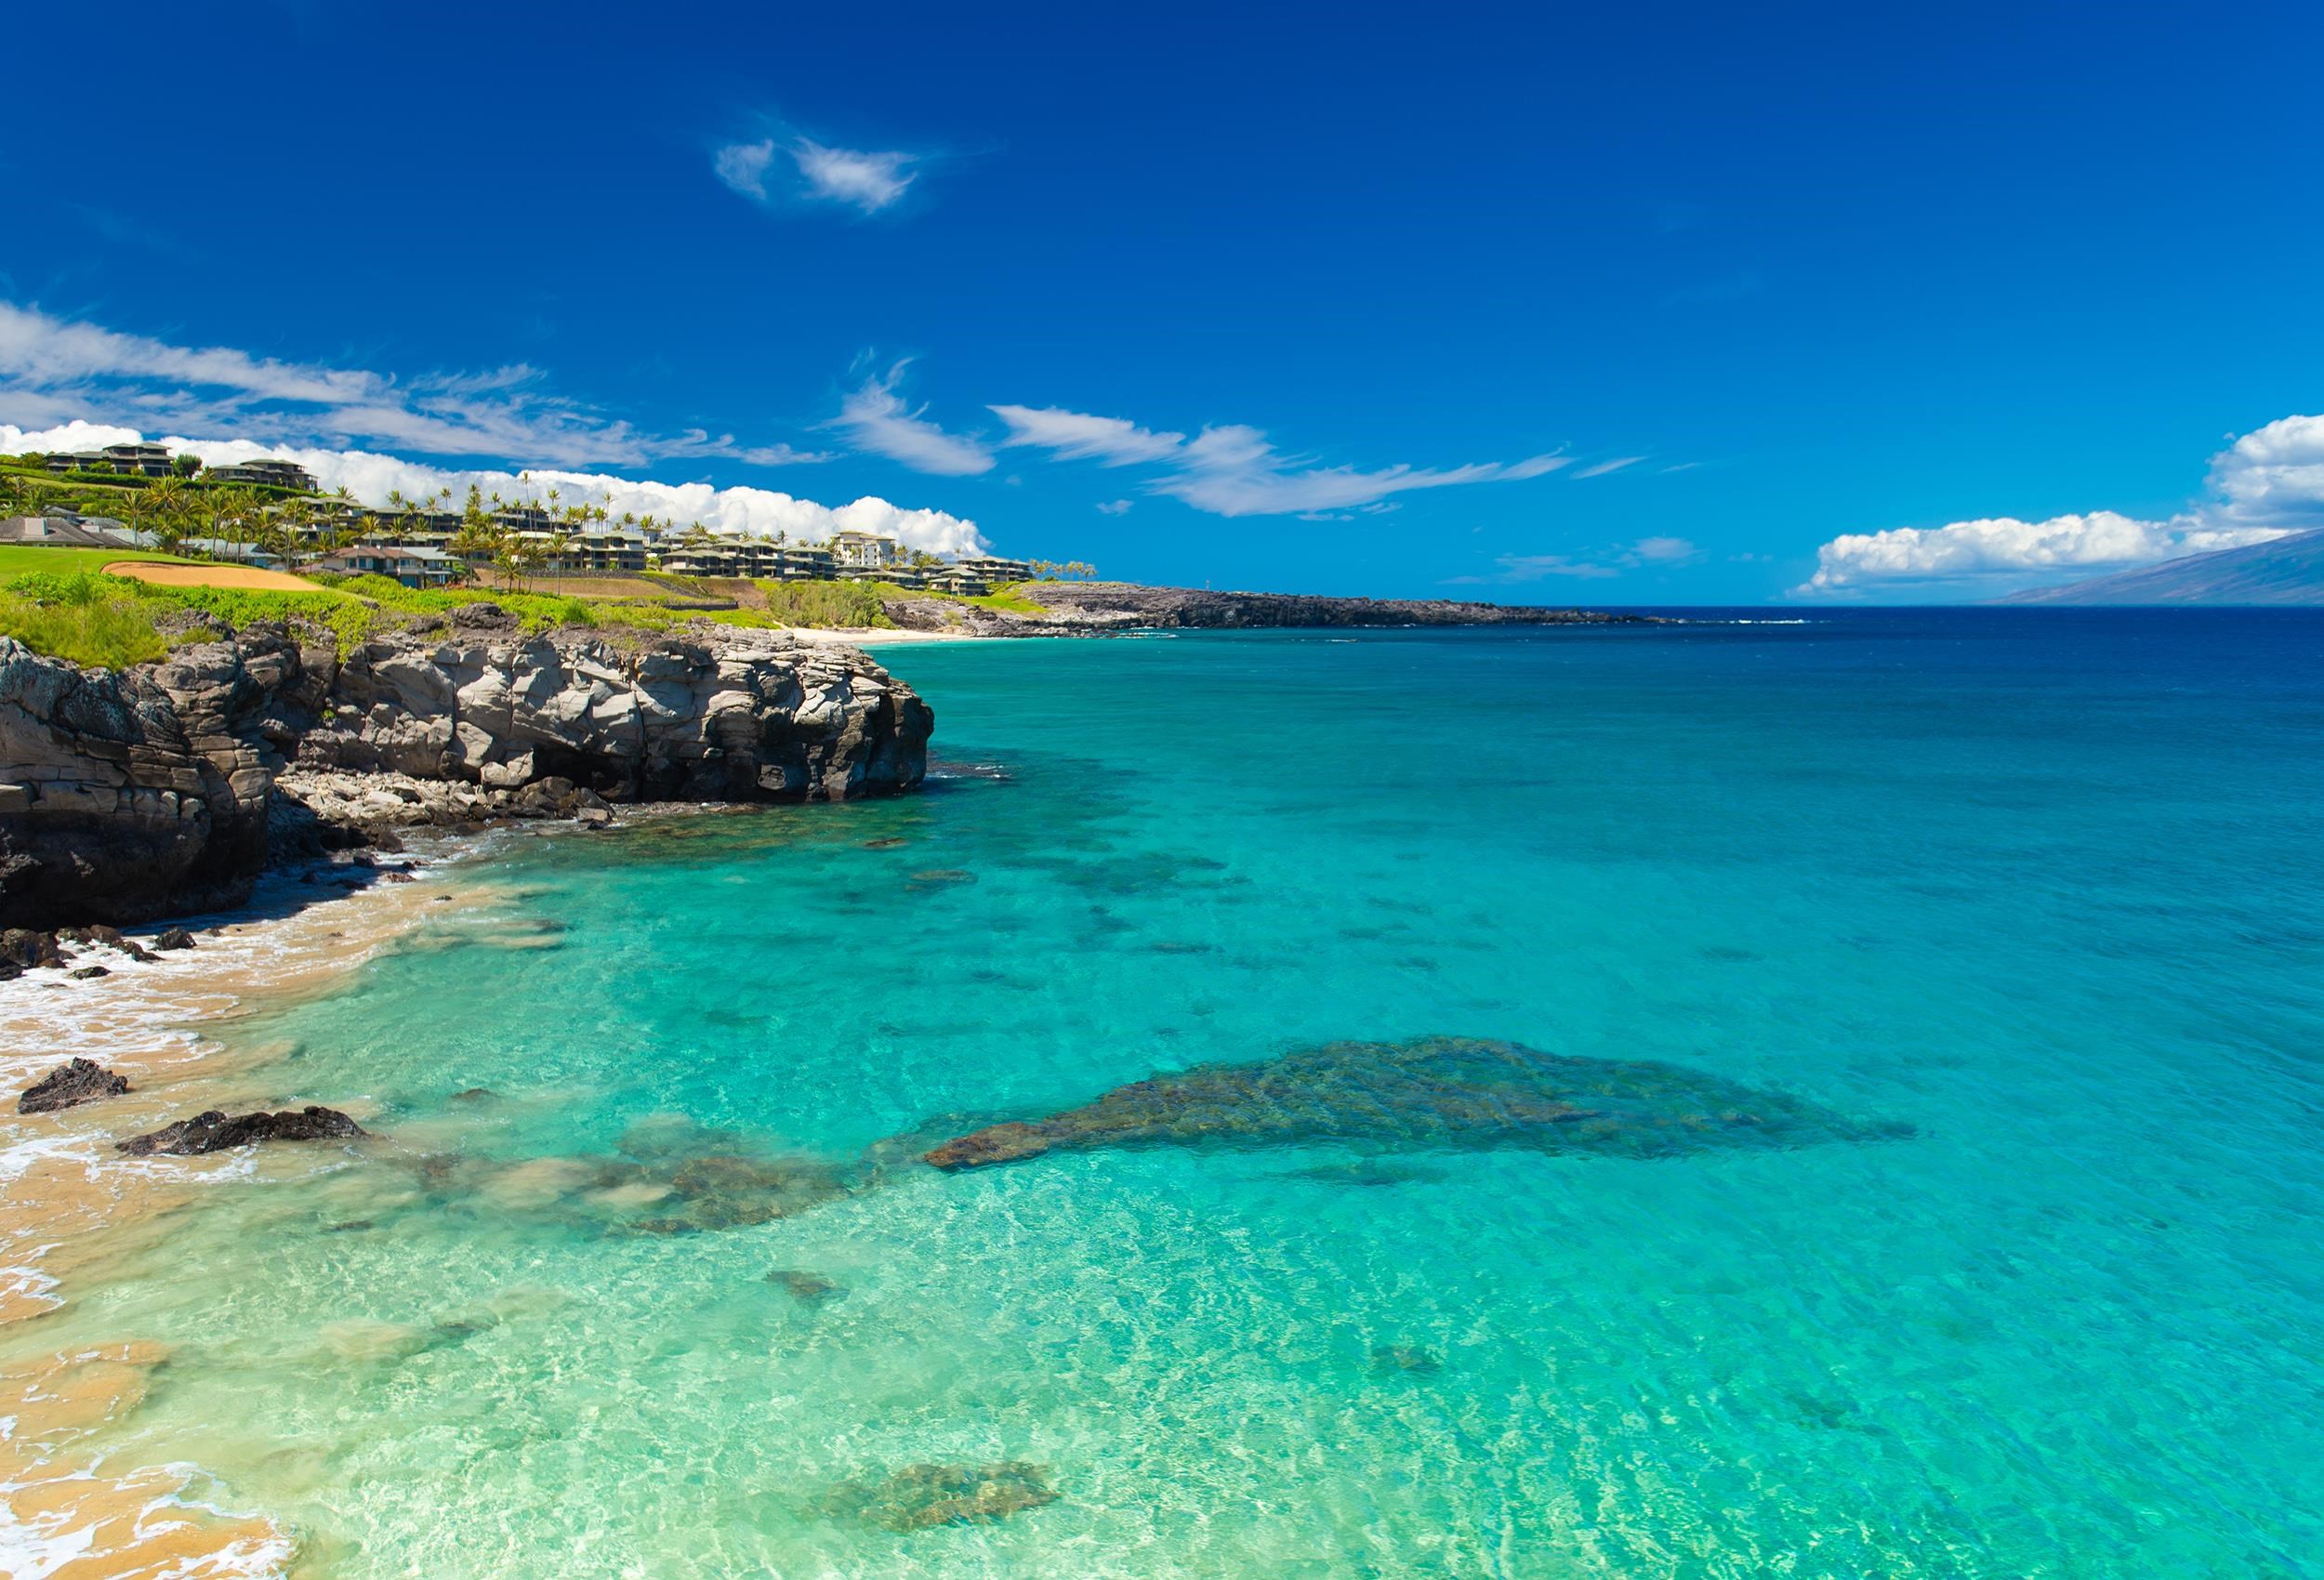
1435	1092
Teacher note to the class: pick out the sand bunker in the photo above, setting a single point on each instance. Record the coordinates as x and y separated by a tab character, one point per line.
210	576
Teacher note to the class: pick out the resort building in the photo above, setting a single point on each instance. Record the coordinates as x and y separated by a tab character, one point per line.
135	460
228	549
992	567
600	554
265	474
66	531
758	557
864	551
413	567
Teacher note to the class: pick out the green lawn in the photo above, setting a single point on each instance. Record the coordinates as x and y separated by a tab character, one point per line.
24	559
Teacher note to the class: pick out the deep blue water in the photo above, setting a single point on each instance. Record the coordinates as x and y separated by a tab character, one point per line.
2040	887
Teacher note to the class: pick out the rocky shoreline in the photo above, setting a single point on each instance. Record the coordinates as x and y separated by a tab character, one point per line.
1083	609
169	787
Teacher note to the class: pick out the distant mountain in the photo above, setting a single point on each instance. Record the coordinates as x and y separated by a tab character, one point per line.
2290	570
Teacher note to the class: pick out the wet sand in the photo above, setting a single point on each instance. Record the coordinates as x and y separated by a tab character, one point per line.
70	1206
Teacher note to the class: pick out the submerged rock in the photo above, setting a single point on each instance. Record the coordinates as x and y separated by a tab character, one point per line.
1435	1092
921	1497
1404	1357
214	1132
807	1288
78	1081
731	1191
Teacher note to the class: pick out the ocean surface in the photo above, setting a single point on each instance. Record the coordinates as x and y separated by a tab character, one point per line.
2027	904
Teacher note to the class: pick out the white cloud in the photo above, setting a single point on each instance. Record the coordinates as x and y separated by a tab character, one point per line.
742	165
1114	507
1595	564
870	182
1077	436
2267	484
1664	550
1604	467
1535	566
861	179
52	369
2272	476
875	417
1232	469
370	477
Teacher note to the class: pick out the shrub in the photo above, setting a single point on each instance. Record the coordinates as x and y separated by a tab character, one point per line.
79	618
824	604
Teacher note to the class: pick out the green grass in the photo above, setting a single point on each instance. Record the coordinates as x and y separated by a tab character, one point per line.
24	559
1008	597
64	607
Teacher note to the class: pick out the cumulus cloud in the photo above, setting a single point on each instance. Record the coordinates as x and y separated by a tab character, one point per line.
800	169
1114	507
2267	484
52	369
370	478
875	418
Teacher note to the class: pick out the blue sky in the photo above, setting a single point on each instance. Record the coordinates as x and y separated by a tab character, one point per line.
1533	303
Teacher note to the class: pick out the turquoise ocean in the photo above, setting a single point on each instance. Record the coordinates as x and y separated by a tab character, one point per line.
2032	900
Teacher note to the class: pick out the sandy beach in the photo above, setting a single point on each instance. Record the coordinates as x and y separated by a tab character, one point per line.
880	637
70	1206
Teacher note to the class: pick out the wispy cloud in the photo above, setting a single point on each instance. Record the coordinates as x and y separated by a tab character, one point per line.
1591	564
52	369
870	182
2267	484
875	418
794	169
1537	567
1077	436
370	477
742	165
1234	469
1114	507
1604	467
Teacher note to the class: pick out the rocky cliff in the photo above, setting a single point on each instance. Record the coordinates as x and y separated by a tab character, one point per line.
128	796
1095	608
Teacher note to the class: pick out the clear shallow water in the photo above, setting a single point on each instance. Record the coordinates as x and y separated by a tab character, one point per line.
2041	886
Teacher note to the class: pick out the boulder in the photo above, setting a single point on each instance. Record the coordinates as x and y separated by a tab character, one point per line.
77	1081
174	938
214	1132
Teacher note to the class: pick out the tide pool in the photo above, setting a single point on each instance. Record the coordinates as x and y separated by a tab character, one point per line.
2029	898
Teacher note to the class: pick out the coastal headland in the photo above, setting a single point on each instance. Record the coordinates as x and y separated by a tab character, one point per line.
1080	608
167	787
